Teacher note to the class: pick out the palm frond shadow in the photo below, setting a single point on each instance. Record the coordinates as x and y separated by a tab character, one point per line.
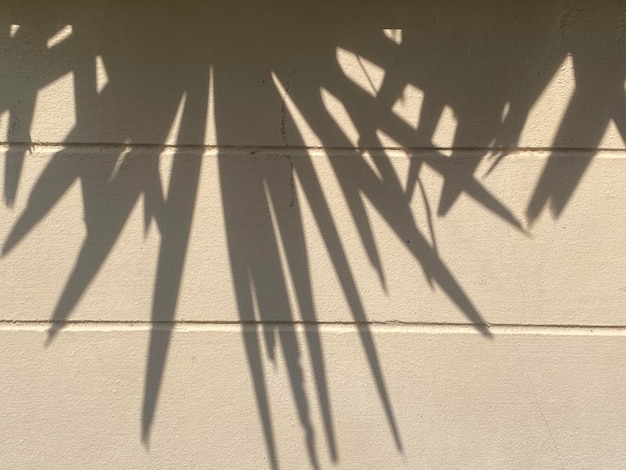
202	61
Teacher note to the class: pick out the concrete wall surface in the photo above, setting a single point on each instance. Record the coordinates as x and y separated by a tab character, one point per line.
304	234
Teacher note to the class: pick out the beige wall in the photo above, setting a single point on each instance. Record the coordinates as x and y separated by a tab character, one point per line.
302	234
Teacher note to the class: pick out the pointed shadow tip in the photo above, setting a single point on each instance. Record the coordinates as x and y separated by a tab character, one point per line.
9	244
523	230
47	342
531	217
484	330
52	333
145	440
383	281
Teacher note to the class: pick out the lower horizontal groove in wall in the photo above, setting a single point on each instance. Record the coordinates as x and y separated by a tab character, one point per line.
387	327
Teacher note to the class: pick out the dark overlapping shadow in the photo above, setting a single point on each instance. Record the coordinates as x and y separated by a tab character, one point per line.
596	42
245	59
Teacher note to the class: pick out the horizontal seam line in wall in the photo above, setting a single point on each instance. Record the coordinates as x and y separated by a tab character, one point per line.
121	146
496	329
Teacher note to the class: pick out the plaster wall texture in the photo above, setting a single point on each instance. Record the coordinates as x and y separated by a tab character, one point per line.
291	234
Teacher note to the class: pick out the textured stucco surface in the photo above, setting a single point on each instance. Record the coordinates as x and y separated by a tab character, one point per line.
291	234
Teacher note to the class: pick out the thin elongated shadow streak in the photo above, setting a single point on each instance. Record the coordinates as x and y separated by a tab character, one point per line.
94	251
54	182
292	237
305	101
175	235
13	163
429	215
272	297
244	277
175	225
104	226
260	283
291	355
255	365
326	225
361	220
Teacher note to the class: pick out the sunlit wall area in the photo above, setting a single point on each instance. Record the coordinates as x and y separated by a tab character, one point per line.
271	234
